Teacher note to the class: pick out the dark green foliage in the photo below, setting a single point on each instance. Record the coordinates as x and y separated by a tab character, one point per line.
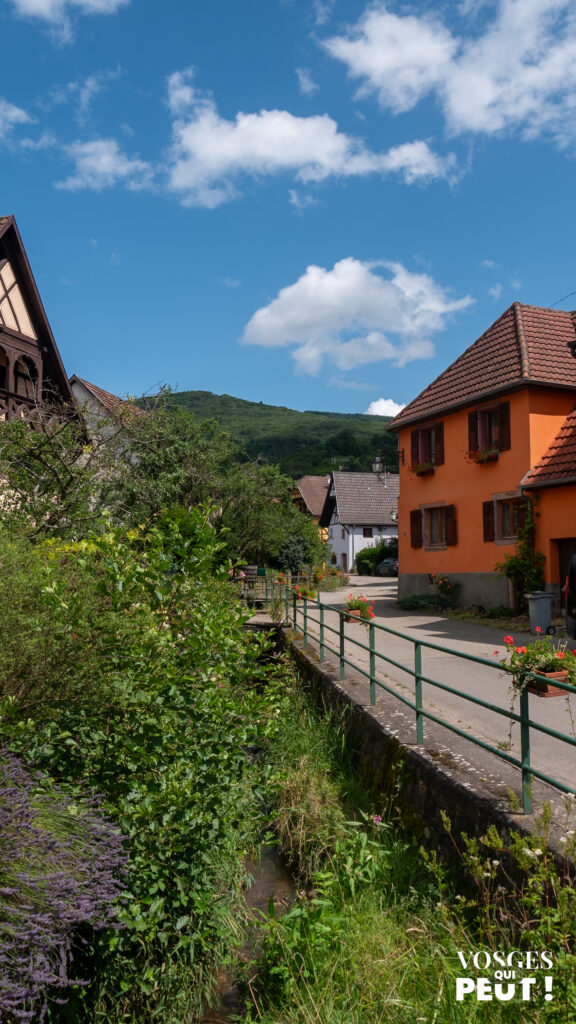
164	736
368	559
299	443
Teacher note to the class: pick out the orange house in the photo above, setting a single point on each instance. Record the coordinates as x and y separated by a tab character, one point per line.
495	427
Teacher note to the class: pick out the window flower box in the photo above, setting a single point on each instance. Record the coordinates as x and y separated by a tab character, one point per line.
424	468
541	658
482	456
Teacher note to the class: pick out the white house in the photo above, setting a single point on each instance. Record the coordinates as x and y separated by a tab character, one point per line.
360	510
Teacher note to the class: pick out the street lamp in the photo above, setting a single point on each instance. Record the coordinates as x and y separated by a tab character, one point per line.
379	469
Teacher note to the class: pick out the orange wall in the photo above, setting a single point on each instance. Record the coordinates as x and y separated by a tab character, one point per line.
556	520
535	418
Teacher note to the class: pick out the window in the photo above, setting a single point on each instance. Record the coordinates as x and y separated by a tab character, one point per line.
25	377
343	532
433	527
489	429
3	369
367	531
427	448
503	518
13	312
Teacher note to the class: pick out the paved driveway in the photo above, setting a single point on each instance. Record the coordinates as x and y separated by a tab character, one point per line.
489	683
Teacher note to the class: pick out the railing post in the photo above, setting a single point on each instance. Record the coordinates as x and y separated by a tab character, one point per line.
287	603
418	692
294	622
305	624
266	598
342	663
321	608
525	750
372	644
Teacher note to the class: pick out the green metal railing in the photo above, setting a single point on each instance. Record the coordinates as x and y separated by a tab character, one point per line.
308	616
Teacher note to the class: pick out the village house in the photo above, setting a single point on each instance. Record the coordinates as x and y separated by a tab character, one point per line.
496	427
360	510
31	370
309	497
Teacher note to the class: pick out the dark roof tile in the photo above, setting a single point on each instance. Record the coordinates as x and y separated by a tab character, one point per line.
558	464
313	490
526	344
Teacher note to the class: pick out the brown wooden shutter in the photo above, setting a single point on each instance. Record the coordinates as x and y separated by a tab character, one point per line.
451	530
520	512
438	444
504	426
472	431
414	447
488	520
416	528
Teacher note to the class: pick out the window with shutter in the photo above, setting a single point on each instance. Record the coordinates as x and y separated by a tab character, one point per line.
488	520
426	448
451	529
439	526
416	528
510	517
489	432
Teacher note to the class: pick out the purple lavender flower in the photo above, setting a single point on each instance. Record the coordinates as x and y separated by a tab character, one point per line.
61	867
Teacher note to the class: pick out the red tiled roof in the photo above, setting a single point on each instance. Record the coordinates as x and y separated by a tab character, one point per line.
313	490
527	344
111	403
558	464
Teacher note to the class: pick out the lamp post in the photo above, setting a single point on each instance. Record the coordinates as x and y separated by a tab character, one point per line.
379	469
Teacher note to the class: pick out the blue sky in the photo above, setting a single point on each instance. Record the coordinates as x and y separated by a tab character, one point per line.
310	203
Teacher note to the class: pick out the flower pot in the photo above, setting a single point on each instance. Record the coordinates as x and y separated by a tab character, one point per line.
425	472
542	689
352	615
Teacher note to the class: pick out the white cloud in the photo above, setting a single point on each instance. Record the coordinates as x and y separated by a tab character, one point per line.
384	407
100	164
496	291
56	11
353	314
322	10
519	75
306	83
299	201
209	154
9	117
490	264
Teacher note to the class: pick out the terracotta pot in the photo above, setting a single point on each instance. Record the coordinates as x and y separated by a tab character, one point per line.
353	614
542	689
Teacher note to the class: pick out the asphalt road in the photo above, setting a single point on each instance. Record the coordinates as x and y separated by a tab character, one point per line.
488	682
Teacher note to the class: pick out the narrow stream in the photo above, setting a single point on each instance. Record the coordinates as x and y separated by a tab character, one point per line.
271	879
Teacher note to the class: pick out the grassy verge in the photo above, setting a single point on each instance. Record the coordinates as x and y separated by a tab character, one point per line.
376	932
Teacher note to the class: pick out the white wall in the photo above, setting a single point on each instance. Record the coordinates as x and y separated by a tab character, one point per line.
353	540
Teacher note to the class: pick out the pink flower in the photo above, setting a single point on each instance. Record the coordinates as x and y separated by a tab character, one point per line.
508	639
520	650
560	654
538	629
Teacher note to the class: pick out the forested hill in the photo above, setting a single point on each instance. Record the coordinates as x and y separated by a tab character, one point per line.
299	442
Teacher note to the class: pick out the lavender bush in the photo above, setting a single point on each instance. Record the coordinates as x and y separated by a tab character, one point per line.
61	869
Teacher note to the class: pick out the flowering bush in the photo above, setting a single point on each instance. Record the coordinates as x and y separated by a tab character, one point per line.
538	656
445	586
305	590
360	604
